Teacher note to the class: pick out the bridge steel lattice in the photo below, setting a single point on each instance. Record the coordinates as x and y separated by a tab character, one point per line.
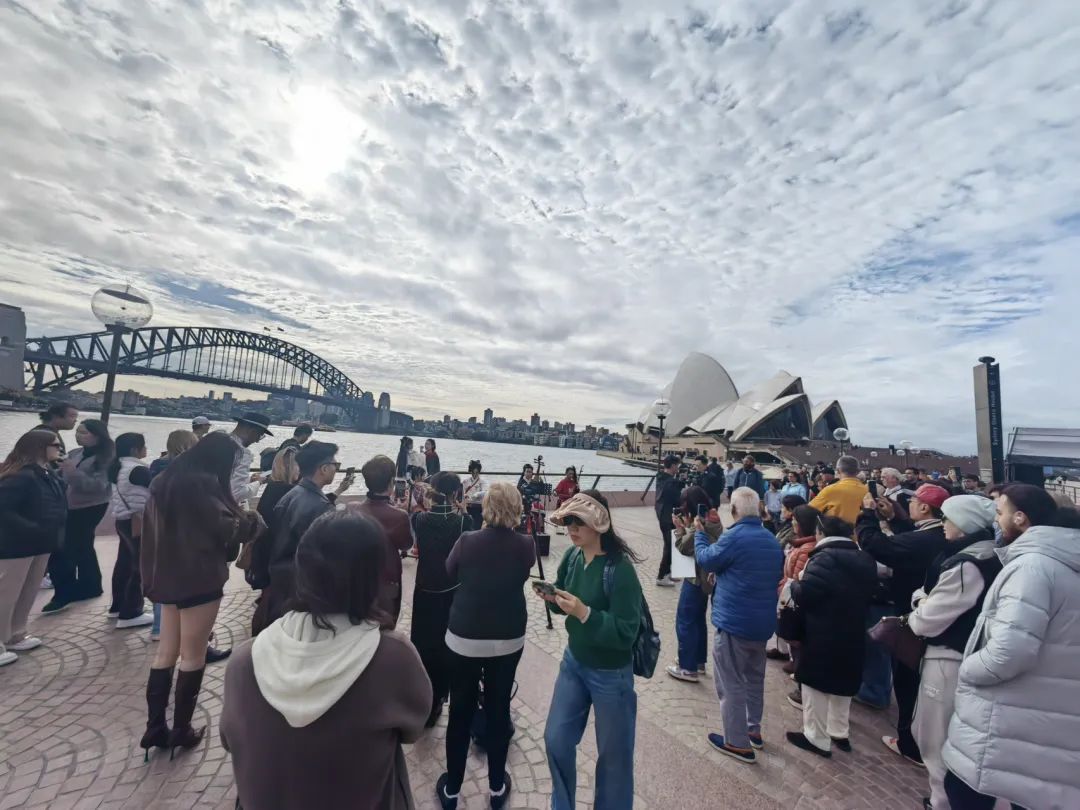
226	357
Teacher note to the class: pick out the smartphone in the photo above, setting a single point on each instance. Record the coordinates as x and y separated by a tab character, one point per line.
544	588
873	489
702	510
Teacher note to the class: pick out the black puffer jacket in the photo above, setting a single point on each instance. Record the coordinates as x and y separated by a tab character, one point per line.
33	511
833	594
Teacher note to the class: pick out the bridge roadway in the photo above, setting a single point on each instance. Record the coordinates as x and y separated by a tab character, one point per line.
71	714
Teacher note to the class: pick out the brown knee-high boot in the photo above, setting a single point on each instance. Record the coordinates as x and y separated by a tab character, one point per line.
158	687
187	694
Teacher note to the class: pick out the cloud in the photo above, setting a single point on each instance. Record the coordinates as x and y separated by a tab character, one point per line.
545	205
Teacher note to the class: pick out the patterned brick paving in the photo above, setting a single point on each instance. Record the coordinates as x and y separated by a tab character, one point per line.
71	714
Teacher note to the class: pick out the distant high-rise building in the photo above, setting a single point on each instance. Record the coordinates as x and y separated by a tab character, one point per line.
384	400
446	419
472	420
367	399
489	417
545	425
12	347
211	395
383	419
227	397
535	420
569	427
559	426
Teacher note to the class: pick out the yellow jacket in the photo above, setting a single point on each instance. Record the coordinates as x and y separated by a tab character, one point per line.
842	499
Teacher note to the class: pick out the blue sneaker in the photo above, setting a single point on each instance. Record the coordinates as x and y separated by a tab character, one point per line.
746	755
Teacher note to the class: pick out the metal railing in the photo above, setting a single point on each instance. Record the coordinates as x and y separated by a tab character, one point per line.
1068	489
516	474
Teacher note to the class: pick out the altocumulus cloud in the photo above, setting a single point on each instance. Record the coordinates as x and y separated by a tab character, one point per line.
545	204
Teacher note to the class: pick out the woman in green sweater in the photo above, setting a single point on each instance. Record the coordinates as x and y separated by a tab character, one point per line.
597	589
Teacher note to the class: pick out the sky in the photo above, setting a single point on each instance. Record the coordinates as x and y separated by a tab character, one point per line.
544	206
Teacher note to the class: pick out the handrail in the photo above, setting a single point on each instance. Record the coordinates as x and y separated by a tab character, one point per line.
649	479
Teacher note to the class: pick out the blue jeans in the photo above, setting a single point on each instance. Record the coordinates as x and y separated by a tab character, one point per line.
610	692
690	627
876	686
156	629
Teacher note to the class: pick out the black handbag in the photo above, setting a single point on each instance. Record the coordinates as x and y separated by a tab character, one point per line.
791	624
893	634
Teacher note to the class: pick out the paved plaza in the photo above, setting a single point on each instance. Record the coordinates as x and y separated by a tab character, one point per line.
72	712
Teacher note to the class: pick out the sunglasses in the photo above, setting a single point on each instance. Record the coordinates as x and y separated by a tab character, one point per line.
573	520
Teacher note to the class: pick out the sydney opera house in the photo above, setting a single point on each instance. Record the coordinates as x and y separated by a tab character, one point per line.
708	410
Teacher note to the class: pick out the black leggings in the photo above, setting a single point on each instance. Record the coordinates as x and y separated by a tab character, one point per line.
962	797
465	675
126	578
74	567
906	686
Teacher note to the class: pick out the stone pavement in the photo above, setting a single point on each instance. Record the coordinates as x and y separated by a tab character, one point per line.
72	712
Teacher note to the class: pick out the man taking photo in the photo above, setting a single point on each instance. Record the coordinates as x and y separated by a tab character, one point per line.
668	493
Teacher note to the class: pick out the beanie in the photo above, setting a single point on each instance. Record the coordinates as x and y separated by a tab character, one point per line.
970	513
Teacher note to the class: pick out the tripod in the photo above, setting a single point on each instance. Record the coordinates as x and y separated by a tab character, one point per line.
532	518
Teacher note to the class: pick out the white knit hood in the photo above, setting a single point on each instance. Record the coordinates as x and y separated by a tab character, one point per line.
303	670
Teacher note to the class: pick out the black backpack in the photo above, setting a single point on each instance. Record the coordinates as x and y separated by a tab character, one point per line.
646	649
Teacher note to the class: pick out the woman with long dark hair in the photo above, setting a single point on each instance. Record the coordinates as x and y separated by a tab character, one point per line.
193	530
73	567
33	510
436	533
323	682
567	488
597	667
130	477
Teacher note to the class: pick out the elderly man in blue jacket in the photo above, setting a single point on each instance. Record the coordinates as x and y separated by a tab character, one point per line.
747	562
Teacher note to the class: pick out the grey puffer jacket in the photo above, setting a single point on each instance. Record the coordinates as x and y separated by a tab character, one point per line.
1015	732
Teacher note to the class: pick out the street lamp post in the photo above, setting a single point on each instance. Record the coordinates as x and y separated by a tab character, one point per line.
841	435
120	308
662	409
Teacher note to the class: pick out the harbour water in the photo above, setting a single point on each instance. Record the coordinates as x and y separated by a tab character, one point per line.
356	448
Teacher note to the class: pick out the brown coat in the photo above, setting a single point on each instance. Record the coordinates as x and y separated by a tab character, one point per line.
349	758
186	555
399	538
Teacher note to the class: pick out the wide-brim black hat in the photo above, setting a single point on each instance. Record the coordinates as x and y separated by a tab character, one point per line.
259	420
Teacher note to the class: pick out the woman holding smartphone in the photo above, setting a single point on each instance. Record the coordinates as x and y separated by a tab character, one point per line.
597	667
691	625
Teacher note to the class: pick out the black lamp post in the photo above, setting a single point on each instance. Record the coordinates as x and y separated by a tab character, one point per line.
662	409
120	309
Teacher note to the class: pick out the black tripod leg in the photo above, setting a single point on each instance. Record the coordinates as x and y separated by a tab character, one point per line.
540	565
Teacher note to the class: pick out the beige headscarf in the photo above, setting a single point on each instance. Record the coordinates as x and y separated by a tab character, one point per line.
591	512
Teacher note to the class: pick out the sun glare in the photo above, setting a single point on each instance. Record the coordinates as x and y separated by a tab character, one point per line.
323	131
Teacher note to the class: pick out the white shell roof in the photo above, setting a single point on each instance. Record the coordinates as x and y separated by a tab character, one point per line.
747	427
699	385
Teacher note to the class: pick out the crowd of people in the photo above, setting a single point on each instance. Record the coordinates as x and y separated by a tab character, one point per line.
969	594
957	601
325	662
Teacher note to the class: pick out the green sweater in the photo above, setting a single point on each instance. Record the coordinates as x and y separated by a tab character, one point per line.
606	639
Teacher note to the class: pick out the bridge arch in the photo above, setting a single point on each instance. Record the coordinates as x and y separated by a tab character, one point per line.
227	357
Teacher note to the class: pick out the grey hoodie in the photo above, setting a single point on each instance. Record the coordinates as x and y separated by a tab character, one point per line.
1015	732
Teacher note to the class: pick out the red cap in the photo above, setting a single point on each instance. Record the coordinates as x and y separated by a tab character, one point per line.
932	495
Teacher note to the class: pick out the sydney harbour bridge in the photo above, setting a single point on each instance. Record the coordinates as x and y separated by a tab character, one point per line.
225	357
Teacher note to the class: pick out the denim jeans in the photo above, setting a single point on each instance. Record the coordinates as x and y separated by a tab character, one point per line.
610	693
690	627
156	629
877	684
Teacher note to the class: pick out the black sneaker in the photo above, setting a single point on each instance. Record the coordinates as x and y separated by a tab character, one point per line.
843	743
799	740
213	654
54	607
445	802
498	802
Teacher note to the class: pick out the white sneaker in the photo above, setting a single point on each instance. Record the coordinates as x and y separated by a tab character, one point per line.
8	658
145	620
682	674
113	614
665	582
27	644
46	583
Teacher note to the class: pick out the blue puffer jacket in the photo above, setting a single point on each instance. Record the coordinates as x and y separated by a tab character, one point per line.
748	562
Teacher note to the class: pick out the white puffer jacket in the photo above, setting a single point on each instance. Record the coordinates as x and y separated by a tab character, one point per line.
1015	732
